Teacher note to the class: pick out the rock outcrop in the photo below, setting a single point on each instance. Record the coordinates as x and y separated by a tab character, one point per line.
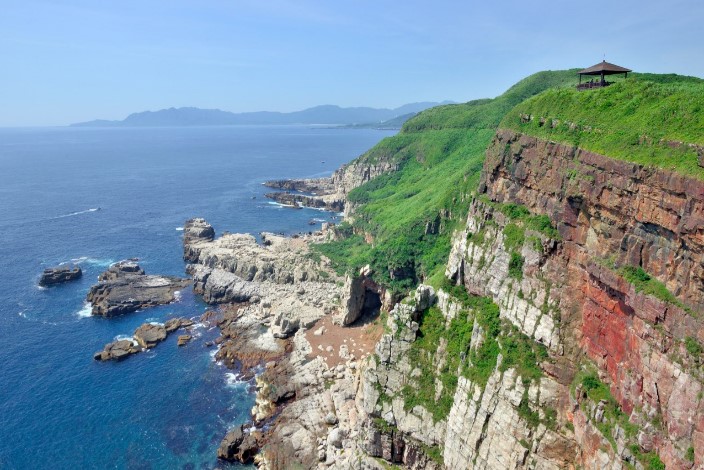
296	201
146	336
331	193
59	275
196	230
118	350
124	288
149	335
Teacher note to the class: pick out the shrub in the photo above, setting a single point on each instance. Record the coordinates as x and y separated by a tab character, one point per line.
515	266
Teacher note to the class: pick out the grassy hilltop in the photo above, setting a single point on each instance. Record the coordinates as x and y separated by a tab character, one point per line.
410	214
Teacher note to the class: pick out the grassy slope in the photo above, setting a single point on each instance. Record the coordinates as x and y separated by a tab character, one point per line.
441	153
626	121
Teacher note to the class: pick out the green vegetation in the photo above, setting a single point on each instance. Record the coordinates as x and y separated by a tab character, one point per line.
693	347
596	390
690	454
515	266
422	391
439	154
645	283
403	220
633	120
488	113
434	452
518	352
383	426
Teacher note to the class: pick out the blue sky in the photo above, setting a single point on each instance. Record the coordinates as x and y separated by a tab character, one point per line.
65	61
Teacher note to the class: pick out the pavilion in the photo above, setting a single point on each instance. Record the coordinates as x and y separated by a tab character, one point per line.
600	70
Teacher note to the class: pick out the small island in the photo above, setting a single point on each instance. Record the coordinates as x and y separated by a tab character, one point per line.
59	275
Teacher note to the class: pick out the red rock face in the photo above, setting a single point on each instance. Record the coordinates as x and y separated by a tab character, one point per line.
646	217
623	212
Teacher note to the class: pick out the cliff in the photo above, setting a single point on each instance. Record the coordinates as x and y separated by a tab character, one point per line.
540	298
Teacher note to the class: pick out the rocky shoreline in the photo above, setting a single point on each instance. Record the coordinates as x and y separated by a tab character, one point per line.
274	298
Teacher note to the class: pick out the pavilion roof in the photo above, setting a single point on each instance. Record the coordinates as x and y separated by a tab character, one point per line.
603	67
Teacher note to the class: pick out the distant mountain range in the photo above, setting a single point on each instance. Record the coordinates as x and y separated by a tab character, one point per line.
326	114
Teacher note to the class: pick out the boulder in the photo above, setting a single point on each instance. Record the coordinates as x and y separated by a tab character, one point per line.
174	324
150	334
59	275
239	446
220	286
424	297
124	288
146	336
117	350
352	301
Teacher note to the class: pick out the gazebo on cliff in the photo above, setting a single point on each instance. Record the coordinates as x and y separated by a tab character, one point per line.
600	70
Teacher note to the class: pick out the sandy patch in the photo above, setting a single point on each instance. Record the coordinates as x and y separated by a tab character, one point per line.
337	344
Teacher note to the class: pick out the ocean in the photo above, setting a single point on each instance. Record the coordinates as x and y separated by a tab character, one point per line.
95	196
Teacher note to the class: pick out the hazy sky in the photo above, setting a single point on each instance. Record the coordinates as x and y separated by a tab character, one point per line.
73	60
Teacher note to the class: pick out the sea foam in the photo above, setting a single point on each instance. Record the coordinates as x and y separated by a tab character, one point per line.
86	311
71	214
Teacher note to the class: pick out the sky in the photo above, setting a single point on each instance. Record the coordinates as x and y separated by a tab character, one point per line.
65	61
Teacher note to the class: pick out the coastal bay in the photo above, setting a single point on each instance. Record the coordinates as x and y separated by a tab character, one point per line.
168	406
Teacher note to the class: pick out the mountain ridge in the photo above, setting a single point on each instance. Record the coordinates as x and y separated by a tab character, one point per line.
322	114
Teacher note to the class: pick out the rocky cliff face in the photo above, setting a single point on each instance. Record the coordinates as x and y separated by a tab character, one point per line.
644	339
620	381
568	333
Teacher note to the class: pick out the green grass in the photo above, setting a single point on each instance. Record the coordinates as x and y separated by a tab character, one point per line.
488	113
690	454
692	346
439	155
625	121
383	426
646	284
422	390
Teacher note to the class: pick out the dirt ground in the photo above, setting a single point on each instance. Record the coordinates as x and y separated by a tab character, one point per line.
359	338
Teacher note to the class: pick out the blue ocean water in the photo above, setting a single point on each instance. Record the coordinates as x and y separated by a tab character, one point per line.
169	407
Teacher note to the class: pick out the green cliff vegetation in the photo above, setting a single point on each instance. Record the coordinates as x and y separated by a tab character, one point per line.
410	214
649	120
403	221
434	388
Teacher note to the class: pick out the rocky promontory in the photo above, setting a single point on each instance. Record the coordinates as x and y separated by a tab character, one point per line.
59	275
125	287
146	336
318	193
195	230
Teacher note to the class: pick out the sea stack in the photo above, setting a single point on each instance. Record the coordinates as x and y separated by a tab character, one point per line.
60	275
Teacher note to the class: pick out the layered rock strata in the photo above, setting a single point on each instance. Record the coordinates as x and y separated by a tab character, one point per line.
125	288
612	215
616	379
